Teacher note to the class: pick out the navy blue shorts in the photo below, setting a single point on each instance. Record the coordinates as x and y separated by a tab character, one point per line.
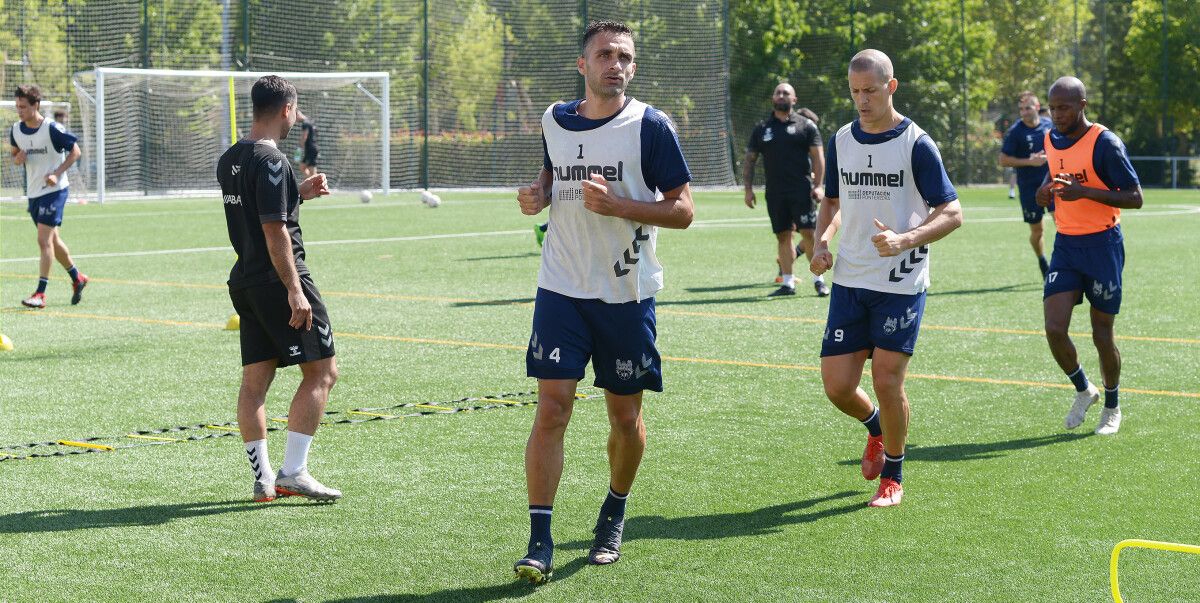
1032	212
48	209
617	338
862	319
1091	265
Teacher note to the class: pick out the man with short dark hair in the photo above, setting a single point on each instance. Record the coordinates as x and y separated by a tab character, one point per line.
1023	151
795	168
47	151
283	319
613	172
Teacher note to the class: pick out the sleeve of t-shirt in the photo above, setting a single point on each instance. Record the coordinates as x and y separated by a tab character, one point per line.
271	188
1009	147
831	168
814	135
663	165
755	138
62	140
546	163
930	174
1112	163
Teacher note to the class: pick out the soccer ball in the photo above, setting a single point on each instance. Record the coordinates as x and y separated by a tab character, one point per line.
365	196
430	199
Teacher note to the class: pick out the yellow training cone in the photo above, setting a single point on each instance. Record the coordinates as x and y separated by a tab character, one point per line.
5	343
235	323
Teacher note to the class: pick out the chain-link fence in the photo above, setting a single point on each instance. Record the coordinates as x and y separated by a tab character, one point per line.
470	78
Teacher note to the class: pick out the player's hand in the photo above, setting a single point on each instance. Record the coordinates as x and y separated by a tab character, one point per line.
1038	159
818	193
887	242
19	158
314	186
51	179
301	311
596	197
822	259
532	199
1069	189
750	198
1045	194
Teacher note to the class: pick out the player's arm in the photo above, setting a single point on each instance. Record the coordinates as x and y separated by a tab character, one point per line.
829	219
817	155
72	157
943	220
536	197
279	246
1035	160
1114	170
675	210
17	154
748	175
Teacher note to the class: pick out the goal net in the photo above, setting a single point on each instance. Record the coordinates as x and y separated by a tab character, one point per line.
159	132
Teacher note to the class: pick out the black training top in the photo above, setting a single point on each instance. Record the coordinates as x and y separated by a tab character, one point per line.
785	146
258	187
311	128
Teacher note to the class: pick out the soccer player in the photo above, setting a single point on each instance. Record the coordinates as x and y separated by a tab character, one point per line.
47	151
1093	181
284	321
1023	151
613	173
791	147
308	141
888	192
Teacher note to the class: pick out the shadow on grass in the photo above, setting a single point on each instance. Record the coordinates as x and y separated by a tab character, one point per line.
531	254
65	520
1017	288
724	288
976	451
493	302
767	520
720	300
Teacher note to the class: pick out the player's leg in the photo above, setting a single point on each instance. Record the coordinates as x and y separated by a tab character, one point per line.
786	257
252	423
887	375
626	444
45	242
79	280
806	223
1032	213
1110	368
304	416
844	352
1062	291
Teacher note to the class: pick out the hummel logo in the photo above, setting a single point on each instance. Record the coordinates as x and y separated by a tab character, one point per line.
326	335
536	347
640	371
236	169
907	320
295	350
275	179
275	165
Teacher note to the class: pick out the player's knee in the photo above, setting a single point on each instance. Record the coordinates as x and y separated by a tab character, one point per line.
626	422
1103	337
887	385
552	416
840	391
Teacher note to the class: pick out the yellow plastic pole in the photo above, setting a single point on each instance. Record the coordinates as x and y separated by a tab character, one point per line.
1113	580
232	111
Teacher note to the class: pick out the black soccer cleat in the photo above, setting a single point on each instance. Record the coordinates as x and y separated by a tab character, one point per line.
538	565
782	290
606	548
822	288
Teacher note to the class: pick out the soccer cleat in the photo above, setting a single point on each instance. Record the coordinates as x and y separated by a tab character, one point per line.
77	288
888	495
606	548
1083	400
1110	421
782	290
37	300
538	565
539	234
822	288
303	484
872	458
264	491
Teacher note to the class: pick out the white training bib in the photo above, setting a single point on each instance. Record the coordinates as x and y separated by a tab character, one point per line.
587	255
40	159
876	181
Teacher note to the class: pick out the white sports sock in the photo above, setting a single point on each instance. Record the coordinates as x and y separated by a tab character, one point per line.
295	457
789	281
260	465
818	279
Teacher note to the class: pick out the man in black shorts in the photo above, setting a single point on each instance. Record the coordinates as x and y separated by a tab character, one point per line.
308	142
284	321
794	162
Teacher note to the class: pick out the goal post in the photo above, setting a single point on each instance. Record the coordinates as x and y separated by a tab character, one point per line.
160	131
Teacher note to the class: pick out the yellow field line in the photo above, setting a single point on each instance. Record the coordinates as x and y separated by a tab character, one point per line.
716	361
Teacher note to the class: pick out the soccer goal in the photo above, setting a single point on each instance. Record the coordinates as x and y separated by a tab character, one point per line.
12	176
159	132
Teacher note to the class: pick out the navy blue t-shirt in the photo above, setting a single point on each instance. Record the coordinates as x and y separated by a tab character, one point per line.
663	165
62	140
928	172
1022	141
1108	157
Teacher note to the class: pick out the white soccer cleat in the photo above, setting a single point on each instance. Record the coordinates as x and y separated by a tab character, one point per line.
303	484
1083	401
1110	421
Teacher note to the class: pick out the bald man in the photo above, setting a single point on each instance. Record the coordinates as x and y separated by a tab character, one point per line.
791	146
1090	181
888	193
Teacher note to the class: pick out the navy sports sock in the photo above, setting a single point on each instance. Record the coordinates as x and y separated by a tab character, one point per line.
1079	379
539	525
73	272
614	505
872	423
1110	396
892	467
42	282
